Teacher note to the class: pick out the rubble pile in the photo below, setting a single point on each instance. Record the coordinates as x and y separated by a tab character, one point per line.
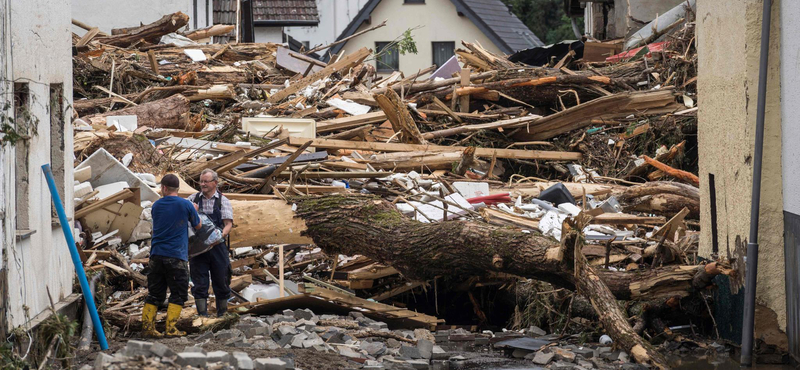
360	192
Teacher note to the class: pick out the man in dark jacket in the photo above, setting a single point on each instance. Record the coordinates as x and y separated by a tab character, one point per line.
168	257
216	261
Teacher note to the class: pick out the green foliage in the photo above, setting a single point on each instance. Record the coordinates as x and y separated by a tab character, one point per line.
8	359
546	18
406	44
58	325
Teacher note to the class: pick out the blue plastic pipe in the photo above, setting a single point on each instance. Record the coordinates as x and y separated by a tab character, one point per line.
76	259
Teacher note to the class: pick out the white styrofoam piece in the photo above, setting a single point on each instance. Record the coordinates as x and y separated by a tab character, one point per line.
569	208
107	190
83	174
264	291
432	210
83	189
472	189
352	108
550	224
106	170
127	159
196	55
123	123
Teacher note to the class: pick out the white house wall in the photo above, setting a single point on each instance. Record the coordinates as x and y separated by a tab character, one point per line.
108	14
40	39
268	34
334	16
439	20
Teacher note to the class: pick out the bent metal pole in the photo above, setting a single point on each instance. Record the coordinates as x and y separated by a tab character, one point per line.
76	259
751	272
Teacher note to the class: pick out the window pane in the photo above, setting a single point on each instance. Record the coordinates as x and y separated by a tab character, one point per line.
388	60
442	52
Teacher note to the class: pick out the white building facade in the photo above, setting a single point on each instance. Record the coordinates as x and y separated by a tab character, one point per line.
36	94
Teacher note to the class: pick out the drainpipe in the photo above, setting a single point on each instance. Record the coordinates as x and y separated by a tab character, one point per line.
752	245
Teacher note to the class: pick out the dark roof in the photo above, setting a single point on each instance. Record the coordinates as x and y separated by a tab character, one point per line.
492	17
225	13
285	13
499	24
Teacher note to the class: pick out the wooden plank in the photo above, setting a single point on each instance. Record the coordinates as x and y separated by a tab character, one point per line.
243	262
88	36
464	100
672	225
121	195
395	147
501	218
350	122
372	272
626	219
444	106
396	291
345	63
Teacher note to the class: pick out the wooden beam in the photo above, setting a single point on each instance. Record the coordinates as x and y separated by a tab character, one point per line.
350	122
121	195
393	292
395	147
464	100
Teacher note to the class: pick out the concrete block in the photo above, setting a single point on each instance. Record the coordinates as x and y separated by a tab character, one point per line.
286	341
419	364
378	325
218	356
561	365
102	360
161	350
584	351
241	361
288	312
585	364
535	331
137	347
410	352
297	340
437	353
286	329
425	348
356	315
520	353
374	349
204	336
258	330
347	352
270	364
195	359
543	358
197	349
392	343
303	314
308	343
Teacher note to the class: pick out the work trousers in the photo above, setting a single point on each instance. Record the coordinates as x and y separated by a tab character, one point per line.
215	263
167	272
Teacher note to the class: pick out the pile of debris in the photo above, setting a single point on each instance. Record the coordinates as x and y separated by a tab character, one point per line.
359	192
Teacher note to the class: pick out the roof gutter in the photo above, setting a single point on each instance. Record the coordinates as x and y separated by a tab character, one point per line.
751	268
284	23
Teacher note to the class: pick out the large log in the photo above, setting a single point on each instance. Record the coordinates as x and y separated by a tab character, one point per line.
665	198
164	113
150	32
372	227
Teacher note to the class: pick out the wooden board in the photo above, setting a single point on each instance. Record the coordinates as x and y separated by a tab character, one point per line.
395	147
345	63
350	122
262	222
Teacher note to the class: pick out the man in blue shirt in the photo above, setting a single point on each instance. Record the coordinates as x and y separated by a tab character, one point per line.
169	254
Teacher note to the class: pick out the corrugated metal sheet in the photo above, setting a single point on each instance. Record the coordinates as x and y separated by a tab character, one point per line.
791	245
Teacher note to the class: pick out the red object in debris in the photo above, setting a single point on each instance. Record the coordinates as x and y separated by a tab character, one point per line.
656	46
491	199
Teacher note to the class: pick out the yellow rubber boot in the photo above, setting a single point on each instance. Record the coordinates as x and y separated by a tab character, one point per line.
149	321
173	314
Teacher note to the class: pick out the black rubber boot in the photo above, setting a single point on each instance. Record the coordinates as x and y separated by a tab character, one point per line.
202	308
222	307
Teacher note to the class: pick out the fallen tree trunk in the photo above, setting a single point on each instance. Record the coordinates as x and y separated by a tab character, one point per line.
164	113
614	320
150	32
374	228
665	198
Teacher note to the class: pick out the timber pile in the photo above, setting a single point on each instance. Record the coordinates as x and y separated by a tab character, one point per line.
576	174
